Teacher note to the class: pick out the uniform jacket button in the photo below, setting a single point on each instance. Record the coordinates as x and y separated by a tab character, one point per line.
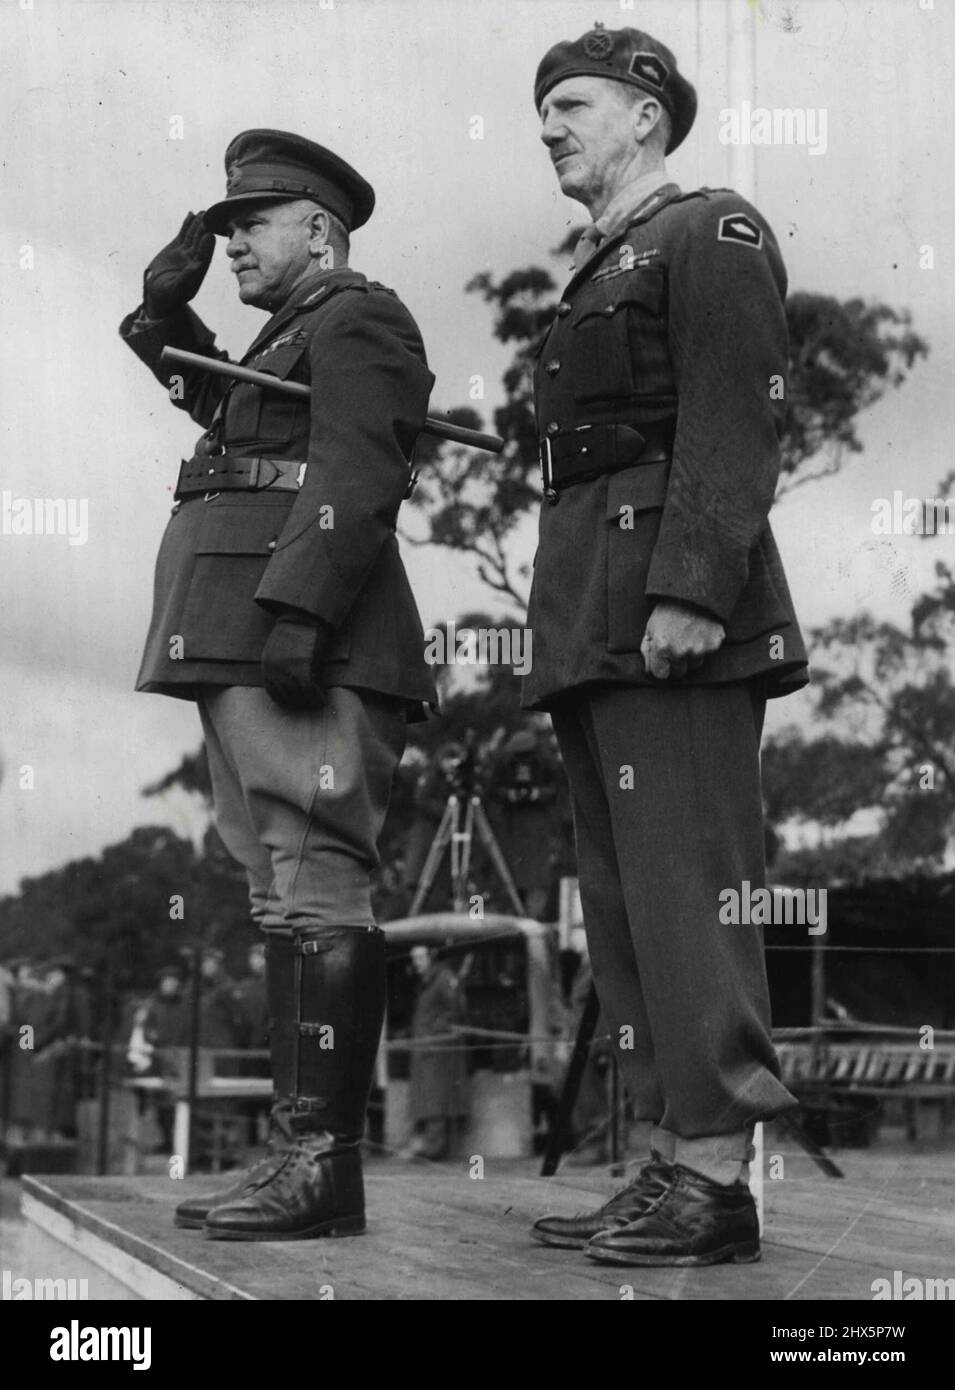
563	308
610	309
552	428
550	495
552	367
271	545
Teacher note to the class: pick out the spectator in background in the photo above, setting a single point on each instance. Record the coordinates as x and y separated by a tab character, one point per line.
8	982
160	1021
216	1019
249	1003
438	1092
69	1027
523	793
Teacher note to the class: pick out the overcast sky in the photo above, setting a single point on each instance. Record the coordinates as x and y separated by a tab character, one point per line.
93	182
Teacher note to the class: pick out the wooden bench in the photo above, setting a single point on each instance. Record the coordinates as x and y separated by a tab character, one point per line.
827	1067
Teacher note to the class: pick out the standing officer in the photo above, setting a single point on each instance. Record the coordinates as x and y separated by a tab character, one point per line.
662	622
283	609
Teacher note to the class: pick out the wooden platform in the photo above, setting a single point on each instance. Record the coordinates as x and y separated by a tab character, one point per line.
437	1234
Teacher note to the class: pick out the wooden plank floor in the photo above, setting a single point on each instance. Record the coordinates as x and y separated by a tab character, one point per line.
435	1233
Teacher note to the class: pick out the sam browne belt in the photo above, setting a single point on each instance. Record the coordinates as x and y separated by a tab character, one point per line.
221	472
584	453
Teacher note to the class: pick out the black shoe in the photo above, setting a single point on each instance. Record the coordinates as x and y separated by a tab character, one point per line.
310	1192
574	1232
693	1222
192	1213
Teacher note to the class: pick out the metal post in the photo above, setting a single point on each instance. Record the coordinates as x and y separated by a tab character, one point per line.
614	1109
102	1158
740	22
194	1030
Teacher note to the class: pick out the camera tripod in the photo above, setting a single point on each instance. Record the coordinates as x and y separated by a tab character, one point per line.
460	837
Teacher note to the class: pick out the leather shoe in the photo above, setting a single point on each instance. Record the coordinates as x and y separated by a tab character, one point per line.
192	1213
574	1232
314	1189
693	1222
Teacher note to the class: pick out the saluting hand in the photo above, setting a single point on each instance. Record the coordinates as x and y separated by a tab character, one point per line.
173	277
292	661
678	639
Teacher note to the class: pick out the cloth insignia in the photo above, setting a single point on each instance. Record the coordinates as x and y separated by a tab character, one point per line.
651	68
736	226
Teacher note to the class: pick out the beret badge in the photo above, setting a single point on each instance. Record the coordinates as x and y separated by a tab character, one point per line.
598	43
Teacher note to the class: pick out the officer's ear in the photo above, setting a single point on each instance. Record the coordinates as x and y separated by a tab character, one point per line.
649	118
319	231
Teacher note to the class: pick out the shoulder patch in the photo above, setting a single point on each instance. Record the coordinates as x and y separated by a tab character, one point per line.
736	226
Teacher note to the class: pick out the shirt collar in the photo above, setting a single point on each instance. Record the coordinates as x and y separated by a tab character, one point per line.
627	200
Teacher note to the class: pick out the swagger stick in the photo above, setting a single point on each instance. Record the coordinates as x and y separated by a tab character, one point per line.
441	429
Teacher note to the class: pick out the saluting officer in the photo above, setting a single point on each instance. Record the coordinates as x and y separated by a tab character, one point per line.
283	609
662	622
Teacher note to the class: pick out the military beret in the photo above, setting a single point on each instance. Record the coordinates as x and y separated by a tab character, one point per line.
623	55
275	166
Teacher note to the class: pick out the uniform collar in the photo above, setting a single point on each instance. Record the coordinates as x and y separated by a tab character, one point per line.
628	201
652	204
304	298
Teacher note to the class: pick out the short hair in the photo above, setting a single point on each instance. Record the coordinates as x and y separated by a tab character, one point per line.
631	94
336	226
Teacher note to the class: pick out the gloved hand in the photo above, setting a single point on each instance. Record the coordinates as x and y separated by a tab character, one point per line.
173	277
292	661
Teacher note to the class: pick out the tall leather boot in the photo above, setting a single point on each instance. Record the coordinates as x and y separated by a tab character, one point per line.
327	1001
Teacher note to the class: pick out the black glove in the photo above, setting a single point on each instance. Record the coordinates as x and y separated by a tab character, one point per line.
292	661
173	277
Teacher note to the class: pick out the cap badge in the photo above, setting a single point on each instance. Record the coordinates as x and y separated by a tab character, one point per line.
232	176
598	43
651	68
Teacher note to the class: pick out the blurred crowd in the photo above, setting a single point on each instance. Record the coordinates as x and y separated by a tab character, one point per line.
45	1036
51	1032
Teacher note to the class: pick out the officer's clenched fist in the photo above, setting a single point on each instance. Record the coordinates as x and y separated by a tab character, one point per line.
678	639
173	277
292	661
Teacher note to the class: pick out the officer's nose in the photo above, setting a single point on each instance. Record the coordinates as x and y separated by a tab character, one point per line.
553	129
236	243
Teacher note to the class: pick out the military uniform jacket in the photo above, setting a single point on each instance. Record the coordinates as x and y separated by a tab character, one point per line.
673	332
230	562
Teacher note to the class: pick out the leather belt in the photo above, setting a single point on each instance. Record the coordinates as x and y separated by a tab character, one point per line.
587	452
222	472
